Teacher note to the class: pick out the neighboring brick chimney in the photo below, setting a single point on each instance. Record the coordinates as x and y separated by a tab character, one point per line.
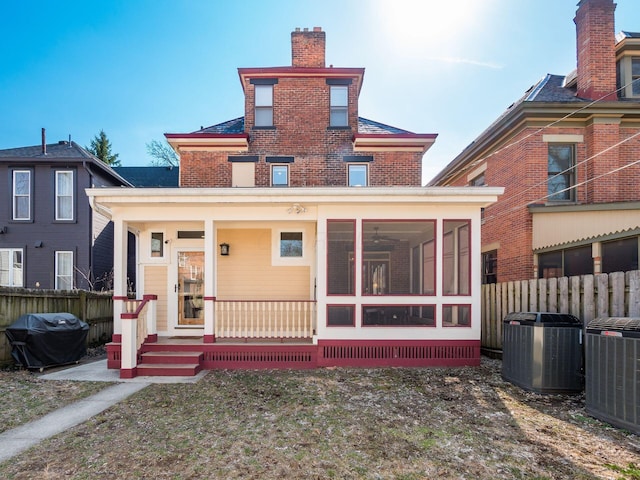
307	48
595	28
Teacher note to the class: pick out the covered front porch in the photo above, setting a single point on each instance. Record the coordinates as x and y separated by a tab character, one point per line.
296	278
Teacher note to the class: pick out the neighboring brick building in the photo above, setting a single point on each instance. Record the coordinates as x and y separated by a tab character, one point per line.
304	226
567	154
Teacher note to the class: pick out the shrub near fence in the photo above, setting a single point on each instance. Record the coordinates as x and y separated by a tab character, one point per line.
95	308
587	297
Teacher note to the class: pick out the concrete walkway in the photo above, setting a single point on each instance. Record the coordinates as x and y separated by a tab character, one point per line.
19	439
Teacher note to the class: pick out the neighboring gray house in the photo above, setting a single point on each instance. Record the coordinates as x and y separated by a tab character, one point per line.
49	236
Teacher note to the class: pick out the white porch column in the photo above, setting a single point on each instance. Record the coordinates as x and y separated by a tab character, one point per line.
119	275
210	251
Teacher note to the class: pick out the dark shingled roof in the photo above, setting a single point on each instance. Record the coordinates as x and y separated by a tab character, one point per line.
150	177
62	149
364	126
230	126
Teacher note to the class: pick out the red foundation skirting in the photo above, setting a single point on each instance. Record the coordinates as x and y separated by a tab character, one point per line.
327	353
128	372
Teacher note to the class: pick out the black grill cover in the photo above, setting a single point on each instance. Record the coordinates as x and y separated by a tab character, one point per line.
46	339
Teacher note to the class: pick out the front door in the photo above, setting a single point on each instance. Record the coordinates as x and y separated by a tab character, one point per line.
190	289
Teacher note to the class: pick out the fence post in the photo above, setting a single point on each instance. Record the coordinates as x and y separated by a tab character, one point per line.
634	293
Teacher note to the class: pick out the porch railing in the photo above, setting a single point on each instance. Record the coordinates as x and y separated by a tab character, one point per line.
265	319
138	325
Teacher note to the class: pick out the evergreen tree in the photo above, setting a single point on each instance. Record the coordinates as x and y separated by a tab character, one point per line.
163	154
101	148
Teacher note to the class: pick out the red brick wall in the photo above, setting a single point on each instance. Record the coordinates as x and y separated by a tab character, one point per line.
308	48
522	170
301	118
596	49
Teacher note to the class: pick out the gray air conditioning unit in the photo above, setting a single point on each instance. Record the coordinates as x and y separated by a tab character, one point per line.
612	357
542	352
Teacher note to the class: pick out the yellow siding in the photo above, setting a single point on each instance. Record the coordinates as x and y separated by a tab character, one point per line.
247	273
155	283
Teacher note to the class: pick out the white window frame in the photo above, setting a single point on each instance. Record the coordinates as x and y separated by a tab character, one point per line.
338	93
16	196
15	275
151	242
278	166
263	103
60	196
59	276
351	166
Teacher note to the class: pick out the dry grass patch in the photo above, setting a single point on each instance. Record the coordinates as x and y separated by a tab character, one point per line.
25	396
404	424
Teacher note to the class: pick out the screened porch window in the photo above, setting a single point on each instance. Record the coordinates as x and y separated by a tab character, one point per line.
398	257
456	266
620	255
341	236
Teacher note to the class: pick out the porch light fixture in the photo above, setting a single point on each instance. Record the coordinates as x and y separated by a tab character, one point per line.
224	249
296	208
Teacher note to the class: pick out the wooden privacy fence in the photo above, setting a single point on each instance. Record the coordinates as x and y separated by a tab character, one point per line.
92	307
587	297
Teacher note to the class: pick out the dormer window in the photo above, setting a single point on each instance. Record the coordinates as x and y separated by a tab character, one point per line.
263	101
264	105
629	76
339	106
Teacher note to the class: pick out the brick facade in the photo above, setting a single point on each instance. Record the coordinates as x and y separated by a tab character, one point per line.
601	126
301	129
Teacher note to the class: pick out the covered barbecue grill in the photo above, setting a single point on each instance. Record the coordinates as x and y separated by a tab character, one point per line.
42	340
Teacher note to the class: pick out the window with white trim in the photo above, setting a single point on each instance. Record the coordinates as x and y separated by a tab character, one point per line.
11	267
157	244
357	174
64	195
264	105
279	175
22	194
290	244
64	270
339	100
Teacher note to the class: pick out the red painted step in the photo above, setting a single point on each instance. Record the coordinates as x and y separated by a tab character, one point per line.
169	370
172	357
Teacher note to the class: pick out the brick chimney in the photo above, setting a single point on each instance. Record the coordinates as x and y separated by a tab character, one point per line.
595	29
307	48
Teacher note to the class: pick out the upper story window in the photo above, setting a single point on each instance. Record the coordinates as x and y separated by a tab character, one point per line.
264	105
357	175
490	267
11	267
561	173
478	181
279	175
339	116
629	76
22	194
64	195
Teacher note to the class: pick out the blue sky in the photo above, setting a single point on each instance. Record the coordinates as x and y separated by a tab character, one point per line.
139	69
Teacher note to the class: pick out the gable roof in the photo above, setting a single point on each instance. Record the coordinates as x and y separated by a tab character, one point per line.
61	151
154	177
